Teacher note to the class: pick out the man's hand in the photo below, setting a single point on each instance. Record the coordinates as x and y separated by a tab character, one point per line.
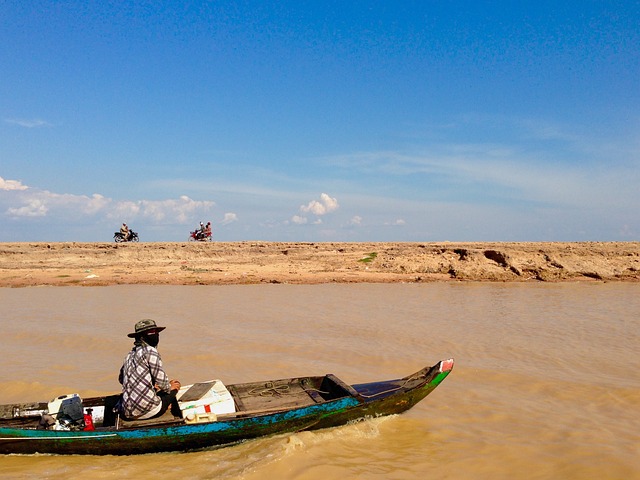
175	384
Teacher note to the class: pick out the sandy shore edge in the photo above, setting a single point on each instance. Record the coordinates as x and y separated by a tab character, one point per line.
254	262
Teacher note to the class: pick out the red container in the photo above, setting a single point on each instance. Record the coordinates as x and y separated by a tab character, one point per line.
88	422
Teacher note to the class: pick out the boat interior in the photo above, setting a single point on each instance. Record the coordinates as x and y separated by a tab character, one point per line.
249	399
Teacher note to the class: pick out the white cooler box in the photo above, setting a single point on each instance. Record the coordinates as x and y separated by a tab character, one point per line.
202	402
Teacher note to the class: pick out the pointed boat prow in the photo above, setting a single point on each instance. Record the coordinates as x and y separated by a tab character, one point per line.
446	365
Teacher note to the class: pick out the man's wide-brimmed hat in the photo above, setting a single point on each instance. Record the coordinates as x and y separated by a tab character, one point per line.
144	326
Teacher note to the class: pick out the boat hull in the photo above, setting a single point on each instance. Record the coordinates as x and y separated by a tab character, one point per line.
364	400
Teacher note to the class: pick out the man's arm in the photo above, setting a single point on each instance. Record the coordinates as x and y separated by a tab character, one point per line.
158	375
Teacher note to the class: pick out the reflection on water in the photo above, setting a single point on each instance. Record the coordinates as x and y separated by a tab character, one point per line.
546	383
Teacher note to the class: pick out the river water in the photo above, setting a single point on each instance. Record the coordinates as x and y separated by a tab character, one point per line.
546	383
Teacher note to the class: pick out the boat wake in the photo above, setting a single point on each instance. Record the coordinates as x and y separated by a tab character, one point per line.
363	429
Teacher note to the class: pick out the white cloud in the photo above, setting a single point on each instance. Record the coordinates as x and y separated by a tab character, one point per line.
356	220
11	185
398	221
229	218
124	210
322	207
299	220
34	208
95	204
20	201
181	210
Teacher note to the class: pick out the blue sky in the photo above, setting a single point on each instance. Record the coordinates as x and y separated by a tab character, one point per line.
320	121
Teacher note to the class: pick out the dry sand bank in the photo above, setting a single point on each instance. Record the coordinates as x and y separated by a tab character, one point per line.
29	264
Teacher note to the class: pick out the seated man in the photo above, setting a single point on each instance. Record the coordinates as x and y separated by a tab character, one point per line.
147	391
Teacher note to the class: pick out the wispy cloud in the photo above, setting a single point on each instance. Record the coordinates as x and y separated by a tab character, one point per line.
397	222
229	218
484	159
28	123
509	171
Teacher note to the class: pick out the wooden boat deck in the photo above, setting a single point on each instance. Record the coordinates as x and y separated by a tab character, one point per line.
288	393
279	394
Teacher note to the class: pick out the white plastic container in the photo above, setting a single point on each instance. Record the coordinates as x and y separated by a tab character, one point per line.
215	401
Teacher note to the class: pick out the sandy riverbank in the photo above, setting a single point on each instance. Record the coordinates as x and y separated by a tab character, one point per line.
30	264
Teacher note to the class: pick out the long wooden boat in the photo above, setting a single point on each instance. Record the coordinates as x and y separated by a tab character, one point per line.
213	415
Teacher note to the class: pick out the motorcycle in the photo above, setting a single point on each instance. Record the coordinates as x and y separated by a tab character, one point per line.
199	236
118	237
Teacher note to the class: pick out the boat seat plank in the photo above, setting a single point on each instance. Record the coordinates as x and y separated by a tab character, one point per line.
236	398
316	396
332	381
166	419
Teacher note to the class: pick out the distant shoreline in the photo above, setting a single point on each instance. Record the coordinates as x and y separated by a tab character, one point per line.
254	262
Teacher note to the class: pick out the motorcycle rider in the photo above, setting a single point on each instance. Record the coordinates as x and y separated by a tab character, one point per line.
124	231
